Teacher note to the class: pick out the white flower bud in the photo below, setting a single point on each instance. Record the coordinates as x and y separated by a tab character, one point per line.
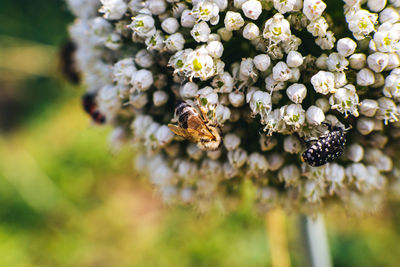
285	6
296	92
346	46
394	61
200	32
238	157
229	171
214	155
368	107
113	41
365	125
315	115
361	23
224	83
337	62
206	11
313	9
375	157
177	9
327	42
225	34
376	5
379	81
144	59
267	143
294	115
208	95
214	37
290	174
324	82
281	72
321	62
156	7
389	14
238	3
175	42
294	59
194	152
247	70
358	61
291	144
378	61
365	77
262	62
222	114
345	100
272	86
351	3
160	98
387	110
143	25
222	4
189	90
251	31
188	19
395	3
318	27
335	176
275	160
236	98
355	152
257	163
164	135
323	104
138	100
340	79
296	74
170	25
117	139
123	71
142	80
215	49
231	141
277	29
233	21
113	9
252	9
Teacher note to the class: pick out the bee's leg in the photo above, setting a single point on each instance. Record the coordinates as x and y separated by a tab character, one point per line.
348	128
203	111
328	125
304	141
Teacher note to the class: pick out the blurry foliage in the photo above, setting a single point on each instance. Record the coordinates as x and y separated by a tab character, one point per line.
66	200
28	24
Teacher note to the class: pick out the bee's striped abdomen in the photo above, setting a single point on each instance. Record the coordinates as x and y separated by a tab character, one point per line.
184	112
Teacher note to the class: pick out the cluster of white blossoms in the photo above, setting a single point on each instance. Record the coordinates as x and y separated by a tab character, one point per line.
271	73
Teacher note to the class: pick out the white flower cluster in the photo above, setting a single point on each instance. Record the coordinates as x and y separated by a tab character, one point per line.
270	73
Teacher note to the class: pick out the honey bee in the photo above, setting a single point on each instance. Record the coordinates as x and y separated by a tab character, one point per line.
195	127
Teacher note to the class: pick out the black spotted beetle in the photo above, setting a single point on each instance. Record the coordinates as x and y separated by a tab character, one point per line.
326	148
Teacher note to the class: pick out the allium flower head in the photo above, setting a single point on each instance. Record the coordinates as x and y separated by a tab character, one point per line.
261	82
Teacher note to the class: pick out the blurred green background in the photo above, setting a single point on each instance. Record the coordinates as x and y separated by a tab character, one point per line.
66	200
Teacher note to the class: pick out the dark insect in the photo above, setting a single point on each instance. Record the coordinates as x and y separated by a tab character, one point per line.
68	64
326	148
90	106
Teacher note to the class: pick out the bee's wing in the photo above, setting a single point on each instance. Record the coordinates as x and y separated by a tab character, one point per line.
186	133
